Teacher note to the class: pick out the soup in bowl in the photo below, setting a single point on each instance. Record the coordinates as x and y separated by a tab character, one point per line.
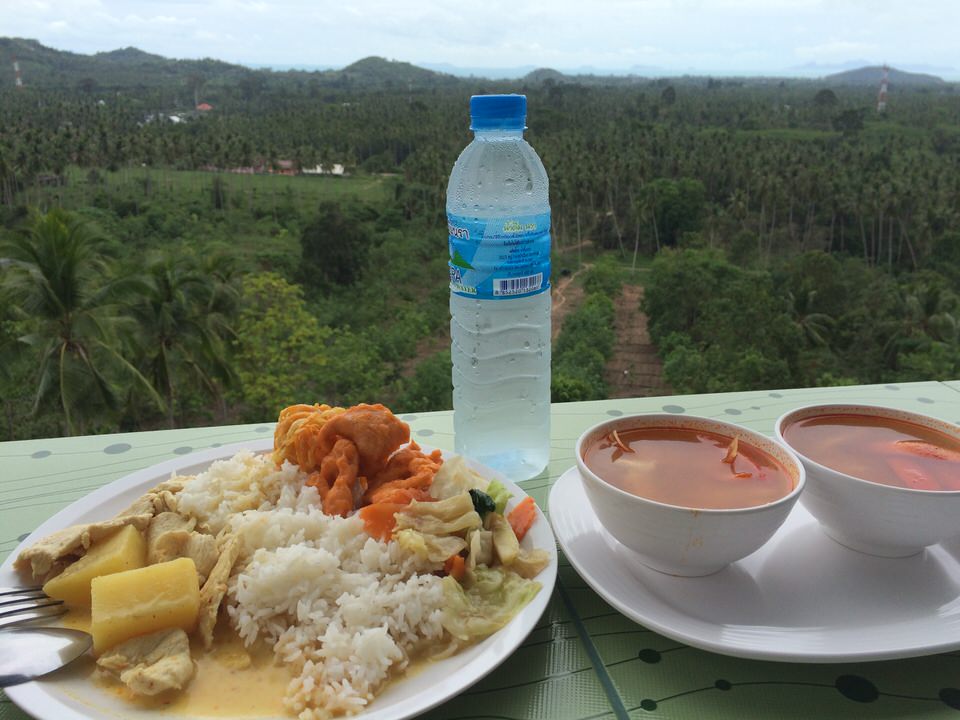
879	480
689	495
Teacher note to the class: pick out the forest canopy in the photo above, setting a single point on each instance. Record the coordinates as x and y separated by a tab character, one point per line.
158	272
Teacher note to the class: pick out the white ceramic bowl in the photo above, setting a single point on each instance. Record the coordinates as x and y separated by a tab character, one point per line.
679	540
871	517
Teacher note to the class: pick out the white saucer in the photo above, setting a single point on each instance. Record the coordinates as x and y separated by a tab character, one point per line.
800	598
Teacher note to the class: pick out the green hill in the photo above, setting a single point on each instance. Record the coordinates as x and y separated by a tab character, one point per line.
870	76
376	71
42	66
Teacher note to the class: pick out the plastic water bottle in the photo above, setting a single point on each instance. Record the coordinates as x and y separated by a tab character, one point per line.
498	215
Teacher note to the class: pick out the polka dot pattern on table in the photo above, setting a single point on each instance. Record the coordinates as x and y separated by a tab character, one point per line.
675	409
40	454
614	413
426	432
117	448
183	450
649	656
950	697
263	429
733	411
856	688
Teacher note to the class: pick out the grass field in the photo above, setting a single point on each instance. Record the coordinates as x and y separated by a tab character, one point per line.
303	191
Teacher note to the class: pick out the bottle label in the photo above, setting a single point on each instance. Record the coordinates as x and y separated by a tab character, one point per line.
499	258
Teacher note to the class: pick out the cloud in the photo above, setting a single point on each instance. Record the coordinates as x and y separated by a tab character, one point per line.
704	35
835	50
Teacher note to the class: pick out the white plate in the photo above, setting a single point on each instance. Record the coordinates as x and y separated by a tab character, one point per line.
71	696
800	598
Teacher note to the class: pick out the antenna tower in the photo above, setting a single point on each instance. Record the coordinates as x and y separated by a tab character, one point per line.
882	97
17	80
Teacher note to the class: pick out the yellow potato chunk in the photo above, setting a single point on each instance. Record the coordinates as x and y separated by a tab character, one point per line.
124	550
142	601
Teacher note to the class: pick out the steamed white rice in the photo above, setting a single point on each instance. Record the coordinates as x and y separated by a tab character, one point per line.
344	610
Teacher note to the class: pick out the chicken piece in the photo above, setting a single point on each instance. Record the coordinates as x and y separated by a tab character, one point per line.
49	556
171	536
407	469
152	663
161	498
337	481
375	431
202	549
213	590
294	438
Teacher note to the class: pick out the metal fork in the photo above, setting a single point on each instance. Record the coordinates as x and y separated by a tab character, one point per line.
29	649
26	605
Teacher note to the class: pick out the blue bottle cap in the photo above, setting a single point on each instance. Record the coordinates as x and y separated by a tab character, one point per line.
498	112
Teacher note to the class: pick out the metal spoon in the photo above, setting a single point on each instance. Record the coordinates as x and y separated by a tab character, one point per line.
27	653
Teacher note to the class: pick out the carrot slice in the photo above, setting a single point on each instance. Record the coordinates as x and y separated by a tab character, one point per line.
522	517
401	495
379	520
455	567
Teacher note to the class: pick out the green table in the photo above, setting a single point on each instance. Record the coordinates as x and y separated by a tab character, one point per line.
583	660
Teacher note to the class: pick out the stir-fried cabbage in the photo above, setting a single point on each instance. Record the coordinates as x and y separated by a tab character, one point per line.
432	547
529	563
491	601
455	477
480	543
505	543
453	516
500	495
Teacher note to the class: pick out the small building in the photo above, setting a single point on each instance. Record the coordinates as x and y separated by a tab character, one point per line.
333	169
284	167
204	107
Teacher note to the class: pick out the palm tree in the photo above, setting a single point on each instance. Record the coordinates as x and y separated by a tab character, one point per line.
815	326
60	283
182	328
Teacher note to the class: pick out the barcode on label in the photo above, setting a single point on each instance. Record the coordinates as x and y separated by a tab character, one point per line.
517	286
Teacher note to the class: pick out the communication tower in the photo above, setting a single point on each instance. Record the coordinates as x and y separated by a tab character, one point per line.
17	80
882	97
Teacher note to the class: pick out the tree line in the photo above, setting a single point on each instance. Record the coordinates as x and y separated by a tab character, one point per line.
824	238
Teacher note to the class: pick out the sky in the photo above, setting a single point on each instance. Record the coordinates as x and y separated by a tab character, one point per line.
740	37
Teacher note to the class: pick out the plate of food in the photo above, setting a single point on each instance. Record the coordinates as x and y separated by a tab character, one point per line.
339	570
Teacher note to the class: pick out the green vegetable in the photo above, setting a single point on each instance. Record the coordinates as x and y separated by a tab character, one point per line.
493	599
453	516
505	542
454	477
430	547
498	491
482	502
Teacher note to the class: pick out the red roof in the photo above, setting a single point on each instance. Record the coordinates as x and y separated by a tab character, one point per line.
204	107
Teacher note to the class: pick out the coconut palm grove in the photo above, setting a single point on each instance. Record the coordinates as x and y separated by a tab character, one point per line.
191	242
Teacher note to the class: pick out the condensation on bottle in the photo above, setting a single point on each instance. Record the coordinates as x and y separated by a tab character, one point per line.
498	215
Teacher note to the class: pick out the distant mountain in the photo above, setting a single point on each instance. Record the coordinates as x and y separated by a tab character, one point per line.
376	71
42	66
872	74
541	75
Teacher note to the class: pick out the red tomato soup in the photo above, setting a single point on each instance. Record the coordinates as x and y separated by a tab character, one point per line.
882	450
688	468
